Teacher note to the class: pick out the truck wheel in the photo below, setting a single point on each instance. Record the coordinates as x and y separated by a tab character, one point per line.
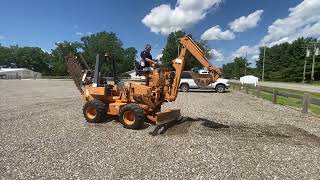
220	88
132	116
94	111
184	87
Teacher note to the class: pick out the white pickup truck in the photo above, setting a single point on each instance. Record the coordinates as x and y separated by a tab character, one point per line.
187	82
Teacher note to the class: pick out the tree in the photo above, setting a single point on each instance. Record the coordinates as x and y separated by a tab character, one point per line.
6	56
130	55
236	69
107	42
171	50
24	57
32	58
285	62
58	55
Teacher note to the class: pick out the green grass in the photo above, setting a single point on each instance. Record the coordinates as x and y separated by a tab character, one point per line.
288	101
317	83
314	94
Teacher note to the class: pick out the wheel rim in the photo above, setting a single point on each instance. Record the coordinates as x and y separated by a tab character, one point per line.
220	89
184	89
91	112
129	117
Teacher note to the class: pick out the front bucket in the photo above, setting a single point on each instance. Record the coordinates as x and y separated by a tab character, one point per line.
167	116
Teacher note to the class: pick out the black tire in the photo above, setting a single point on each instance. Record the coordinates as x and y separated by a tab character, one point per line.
132	116
220	88
94	111
184	87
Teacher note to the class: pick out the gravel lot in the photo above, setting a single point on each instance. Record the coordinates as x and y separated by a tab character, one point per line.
43	135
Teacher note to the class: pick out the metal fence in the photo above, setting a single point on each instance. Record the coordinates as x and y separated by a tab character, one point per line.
306	99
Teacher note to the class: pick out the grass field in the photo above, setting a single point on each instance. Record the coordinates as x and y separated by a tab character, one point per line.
292	102
315	83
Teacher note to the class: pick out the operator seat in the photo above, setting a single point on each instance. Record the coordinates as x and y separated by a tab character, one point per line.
139	69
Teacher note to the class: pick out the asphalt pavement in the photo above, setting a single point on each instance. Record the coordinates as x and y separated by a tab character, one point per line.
294	86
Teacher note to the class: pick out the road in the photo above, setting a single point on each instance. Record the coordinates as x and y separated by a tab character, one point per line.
294	86
43	135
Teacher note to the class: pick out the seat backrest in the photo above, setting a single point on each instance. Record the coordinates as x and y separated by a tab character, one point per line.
137	66
139	69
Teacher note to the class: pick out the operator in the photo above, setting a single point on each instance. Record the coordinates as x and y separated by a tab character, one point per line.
146	58
147	62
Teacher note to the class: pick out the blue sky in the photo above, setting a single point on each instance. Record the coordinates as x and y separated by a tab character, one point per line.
42	22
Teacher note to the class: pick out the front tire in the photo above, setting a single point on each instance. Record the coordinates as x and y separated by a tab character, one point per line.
184	87
132	116
94	111
220	88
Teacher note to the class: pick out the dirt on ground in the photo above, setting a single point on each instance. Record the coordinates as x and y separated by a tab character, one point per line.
43	135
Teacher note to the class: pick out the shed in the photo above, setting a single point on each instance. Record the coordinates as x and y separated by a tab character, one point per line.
18	73
249	80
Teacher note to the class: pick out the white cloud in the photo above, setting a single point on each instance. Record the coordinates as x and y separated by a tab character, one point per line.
280	41
243	51
82	34
46	51
303	20
255	57
215	33
2	37
159	56
164	20
246	22
217	55
249	52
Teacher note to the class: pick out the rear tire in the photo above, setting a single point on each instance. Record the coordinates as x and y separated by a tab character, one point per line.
132	116
220	88
184	87
94	111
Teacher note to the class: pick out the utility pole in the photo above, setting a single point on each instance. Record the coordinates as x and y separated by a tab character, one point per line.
304	69
305	64
264	59
309	47
245	64
313	62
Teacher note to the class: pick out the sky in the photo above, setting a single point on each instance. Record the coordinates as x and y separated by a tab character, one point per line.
231	27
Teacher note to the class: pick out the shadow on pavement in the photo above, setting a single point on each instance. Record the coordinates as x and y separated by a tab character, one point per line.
182	126
281	133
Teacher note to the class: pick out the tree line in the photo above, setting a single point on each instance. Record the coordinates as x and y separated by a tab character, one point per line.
53	64
283	62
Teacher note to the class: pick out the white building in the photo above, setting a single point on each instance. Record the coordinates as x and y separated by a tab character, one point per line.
133	75
249	80
18	73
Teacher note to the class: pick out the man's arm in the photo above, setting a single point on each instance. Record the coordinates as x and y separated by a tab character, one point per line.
149	61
